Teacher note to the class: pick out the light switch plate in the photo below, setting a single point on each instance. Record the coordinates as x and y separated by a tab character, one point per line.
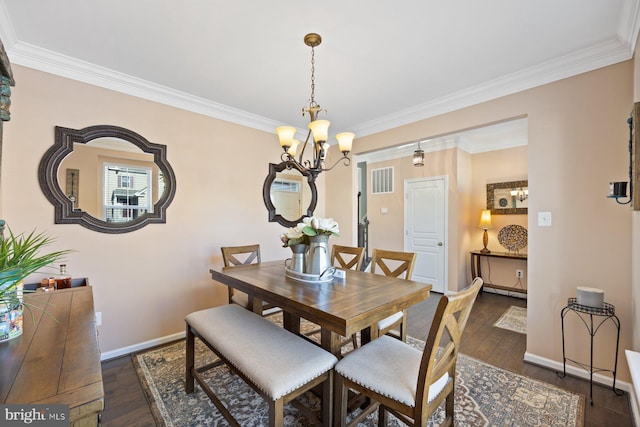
544	219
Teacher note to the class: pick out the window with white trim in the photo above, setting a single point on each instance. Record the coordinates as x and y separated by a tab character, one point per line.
126	192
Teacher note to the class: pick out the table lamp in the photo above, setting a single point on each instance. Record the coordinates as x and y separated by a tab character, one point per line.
485	224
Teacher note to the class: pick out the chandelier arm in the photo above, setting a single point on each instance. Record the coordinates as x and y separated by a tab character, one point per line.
304	145
345	159
292	163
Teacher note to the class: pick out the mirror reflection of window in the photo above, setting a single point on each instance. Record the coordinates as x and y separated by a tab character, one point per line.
286	195
83	180
126	192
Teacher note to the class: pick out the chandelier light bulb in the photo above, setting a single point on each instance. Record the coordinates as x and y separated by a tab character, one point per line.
294	147
345	141
286	134
320	129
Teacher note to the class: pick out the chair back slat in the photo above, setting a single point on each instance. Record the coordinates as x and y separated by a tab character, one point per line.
443	343
251	252
354	257
384	260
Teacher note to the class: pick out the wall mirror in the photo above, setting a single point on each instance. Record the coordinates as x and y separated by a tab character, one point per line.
288	194
106	178
508	198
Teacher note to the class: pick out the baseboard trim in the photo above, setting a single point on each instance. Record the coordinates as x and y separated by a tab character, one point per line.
576	371
140	346
513	294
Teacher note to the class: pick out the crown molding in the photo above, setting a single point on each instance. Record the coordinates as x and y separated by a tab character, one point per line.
31	56
617	49
601	55
606	53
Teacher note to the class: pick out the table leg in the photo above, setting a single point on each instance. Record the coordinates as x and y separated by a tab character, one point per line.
476	269
331	341
291	322
255	304
367	335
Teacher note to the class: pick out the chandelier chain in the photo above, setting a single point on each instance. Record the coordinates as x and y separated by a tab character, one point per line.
313	77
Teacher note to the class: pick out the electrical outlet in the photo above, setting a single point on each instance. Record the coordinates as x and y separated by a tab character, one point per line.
519	274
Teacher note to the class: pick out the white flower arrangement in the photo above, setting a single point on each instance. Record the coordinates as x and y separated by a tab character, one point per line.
310	226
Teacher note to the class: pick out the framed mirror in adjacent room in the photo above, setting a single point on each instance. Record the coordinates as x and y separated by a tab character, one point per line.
508	198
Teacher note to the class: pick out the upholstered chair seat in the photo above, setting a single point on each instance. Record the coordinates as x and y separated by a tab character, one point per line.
389	367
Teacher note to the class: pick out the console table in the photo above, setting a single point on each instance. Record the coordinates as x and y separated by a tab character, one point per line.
57	359
476	267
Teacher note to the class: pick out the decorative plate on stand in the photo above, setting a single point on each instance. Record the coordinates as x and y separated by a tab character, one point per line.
513	237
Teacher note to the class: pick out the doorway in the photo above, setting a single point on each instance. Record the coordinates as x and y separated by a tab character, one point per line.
425	224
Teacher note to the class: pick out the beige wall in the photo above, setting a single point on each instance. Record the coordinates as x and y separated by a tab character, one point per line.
468	175
144	282
489	168
577	145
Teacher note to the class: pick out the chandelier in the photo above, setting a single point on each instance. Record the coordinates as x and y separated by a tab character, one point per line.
520	194
318	128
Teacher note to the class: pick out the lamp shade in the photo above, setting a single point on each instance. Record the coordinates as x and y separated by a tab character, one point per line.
345	141
320	129
485	219
286	134
418	157
293	148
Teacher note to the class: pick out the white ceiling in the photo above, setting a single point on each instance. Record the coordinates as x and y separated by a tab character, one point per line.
381	64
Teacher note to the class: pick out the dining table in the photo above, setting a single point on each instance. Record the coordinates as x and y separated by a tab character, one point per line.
340	307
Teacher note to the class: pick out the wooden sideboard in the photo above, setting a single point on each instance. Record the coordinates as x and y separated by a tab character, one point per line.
57	358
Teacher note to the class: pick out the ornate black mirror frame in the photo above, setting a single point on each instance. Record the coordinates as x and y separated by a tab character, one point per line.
266	196
64	212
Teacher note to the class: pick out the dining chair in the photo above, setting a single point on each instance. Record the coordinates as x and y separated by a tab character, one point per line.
396	264
243	255
347	257
402	380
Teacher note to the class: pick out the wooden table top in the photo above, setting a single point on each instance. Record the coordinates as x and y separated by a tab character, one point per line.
55	361
343	306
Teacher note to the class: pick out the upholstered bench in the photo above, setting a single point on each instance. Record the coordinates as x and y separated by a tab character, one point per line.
276	363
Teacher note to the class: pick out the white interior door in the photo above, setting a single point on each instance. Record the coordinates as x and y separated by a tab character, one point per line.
425	229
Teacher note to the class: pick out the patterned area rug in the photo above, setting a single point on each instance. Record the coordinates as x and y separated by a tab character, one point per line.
485	395
514	319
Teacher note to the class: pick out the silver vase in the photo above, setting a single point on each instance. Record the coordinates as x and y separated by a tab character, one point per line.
318	259
297	262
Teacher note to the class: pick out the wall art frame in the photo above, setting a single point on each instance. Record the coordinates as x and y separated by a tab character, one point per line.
500	201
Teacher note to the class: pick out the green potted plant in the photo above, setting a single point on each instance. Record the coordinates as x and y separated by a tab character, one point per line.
19	257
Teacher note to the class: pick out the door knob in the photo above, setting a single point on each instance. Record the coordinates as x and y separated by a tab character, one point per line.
440	243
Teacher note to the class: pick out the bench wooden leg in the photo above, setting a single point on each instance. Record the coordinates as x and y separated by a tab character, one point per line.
190	361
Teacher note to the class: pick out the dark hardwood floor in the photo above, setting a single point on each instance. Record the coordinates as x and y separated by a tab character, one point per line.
126	405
